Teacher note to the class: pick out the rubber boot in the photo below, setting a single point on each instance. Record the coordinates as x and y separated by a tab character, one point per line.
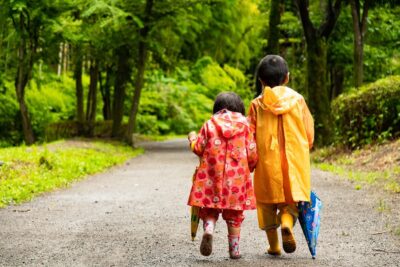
234	252
206	241
288	241
274	249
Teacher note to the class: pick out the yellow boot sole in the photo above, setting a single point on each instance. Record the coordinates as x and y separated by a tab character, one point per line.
274	252
288	241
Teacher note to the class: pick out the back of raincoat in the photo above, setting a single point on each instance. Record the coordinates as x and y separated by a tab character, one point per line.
227	152
284	131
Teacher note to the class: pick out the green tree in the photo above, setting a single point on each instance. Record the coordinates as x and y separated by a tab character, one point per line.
359	30
102	33
316	55
274	21
142	60
31	21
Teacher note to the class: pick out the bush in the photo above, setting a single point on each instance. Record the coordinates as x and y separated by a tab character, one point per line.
170	105
69	129
370	114
49	103
61	130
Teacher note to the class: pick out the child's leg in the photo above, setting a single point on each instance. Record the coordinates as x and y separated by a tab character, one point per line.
234	219
288	214
274	248
209	217
268	222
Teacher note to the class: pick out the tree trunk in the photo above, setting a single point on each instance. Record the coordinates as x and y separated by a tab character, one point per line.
107	88
274	21
65	58
316	81
122	76
138	90
79	89
317	90
359	29
6	57
142	58
358	61
92	97
337	79
20	84
105	93
60	59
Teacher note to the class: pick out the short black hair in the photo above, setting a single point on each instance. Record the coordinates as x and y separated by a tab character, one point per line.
272	70
230	101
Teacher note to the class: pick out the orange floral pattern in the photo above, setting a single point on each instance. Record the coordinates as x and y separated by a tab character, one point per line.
227	152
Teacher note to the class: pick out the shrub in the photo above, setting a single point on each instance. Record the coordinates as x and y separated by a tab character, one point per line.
69	129
147	124
49	103
61	130
214	79
170	105
369	114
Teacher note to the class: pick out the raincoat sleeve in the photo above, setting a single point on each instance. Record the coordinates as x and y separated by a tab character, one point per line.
251	150
308	123
199	144
252	118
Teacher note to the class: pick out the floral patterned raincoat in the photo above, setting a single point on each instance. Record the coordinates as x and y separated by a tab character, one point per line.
227	152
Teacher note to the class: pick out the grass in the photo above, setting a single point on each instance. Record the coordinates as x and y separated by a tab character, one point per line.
30	171
158	137
382	206
397	231
374	165
362	177
359	177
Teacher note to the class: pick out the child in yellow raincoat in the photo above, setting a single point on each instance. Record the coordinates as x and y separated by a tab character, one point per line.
284	133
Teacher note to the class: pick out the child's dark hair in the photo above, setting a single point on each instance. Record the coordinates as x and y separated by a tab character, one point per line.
272	70
229	101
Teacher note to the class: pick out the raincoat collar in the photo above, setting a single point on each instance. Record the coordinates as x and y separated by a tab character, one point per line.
278	100
229	123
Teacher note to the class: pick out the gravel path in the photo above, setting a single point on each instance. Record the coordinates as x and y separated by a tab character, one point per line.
136	215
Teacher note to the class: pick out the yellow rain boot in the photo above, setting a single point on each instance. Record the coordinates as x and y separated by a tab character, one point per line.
288	241
274	249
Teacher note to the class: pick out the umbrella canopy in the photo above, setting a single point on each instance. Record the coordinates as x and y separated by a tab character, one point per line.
309	218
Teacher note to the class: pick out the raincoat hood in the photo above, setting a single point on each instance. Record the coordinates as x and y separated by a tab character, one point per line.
229	123
279	100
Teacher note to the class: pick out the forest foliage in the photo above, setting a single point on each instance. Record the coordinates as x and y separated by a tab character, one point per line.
368	114
110	67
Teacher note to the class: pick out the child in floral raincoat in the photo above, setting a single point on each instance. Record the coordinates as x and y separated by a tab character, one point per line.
284	132
222	183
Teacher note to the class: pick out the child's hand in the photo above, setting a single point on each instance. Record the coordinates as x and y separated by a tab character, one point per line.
192	136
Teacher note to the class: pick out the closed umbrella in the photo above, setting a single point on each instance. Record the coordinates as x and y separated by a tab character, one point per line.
194	221
194	216
310	219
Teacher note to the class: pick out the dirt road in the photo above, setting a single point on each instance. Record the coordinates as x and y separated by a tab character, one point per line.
136	215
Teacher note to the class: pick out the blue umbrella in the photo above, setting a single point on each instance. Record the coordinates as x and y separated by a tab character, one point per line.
309	218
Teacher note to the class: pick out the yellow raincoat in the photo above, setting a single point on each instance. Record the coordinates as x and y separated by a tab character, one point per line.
284	132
